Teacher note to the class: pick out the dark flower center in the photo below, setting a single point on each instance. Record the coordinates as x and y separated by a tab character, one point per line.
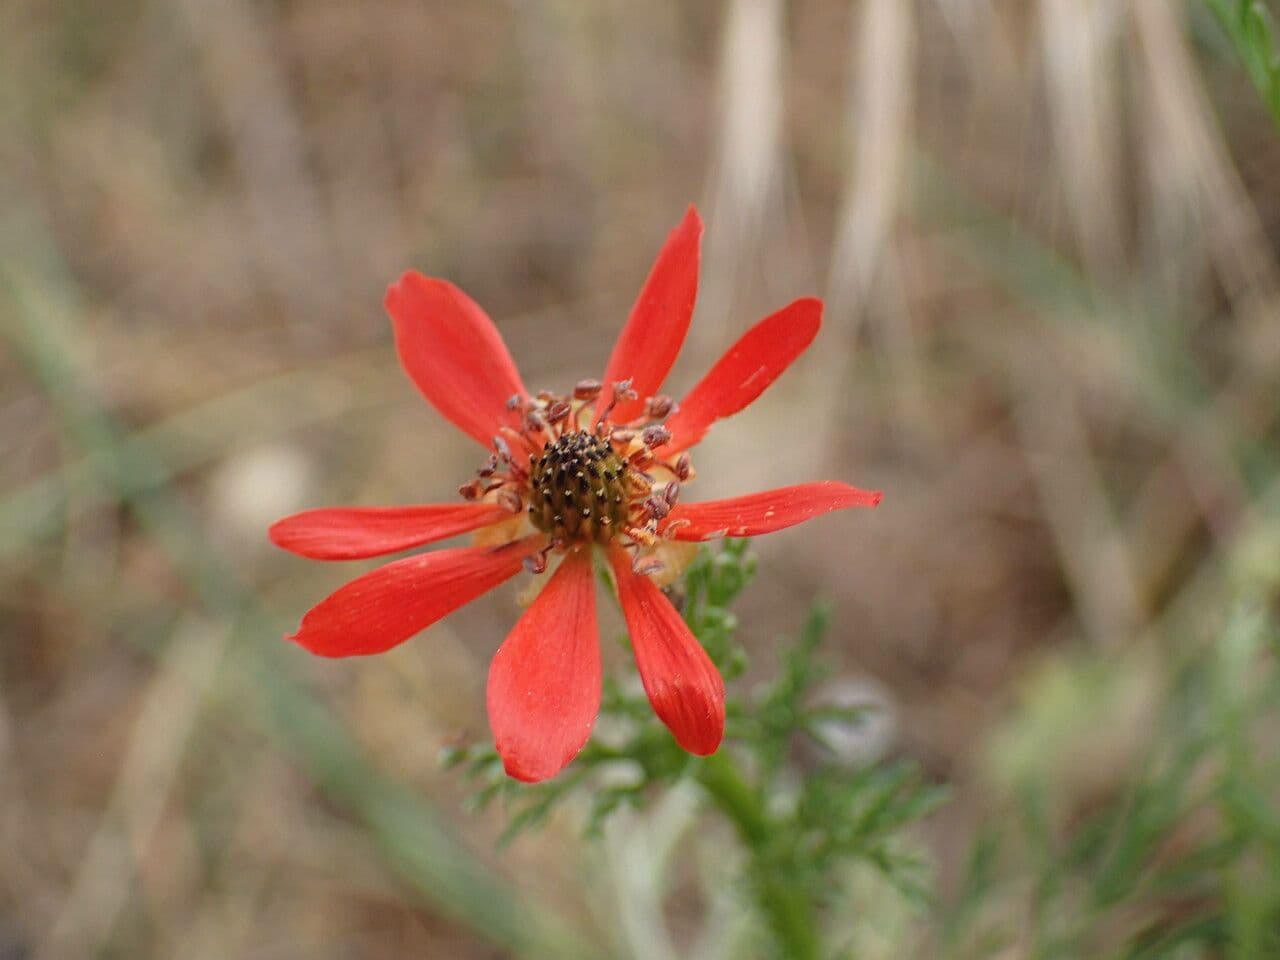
578	490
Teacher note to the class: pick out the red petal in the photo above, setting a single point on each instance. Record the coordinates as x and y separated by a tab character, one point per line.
544	682
742	374
453	352
683	685
648	344
389	605
765	512
352	533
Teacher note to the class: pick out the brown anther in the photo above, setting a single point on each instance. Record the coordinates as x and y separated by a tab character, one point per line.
622	437
509	499
558	411
587	389
470	491
515	402
504	449
656	507
671	494
536	562
684	467
622	390
659	407
490	467
655	436
534	422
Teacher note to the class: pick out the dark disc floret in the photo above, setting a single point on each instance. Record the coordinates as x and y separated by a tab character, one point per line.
578	490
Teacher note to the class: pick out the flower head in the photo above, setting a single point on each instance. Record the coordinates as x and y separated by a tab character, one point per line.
600	467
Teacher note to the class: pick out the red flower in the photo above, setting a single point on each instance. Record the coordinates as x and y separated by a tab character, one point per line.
601	467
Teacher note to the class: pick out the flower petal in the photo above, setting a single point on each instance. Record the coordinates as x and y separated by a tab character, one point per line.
353	533
387	606
765	512
453	353
683	685
544	681
742	374
655	331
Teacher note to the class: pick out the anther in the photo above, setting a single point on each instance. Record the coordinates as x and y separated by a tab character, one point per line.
657	507
558	411
510	499
684	467
655	436
536	563
587	389
470	490
659	407
671	494
515	402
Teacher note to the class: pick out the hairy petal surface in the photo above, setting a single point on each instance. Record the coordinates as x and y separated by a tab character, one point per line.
387	606
544	681
765	512
683	685
655	331
453	353
353	533
746	369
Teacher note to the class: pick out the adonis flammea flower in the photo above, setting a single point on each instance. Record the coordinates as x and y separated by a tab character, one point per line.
600	467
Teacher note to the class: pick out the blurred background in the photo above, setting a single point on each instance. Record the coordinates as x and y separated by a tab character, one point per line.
1046	232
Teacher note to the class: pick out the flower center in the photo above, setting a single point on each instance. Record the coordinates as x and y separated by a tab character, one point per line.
609	483
578	489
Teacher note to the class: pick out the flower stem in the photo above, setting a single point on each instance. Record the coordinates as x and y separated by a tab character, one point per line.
784	903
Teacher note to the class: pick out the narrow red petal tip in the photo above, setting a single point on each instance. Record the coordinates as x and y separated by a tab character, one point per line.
453	353
354	533
683	685
746	370
385	607
544	682
655	330
765	512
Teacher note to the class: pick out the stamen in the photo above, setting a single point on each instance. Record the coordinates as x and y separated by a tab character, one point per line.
659	407
587	389
655	435
684	467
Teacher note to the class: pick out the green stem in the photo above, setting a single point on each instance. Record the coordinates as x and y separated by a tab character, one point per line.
784	903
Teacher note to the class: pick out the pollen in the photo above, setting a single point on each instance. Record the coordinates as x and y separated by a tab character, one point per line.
579	489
